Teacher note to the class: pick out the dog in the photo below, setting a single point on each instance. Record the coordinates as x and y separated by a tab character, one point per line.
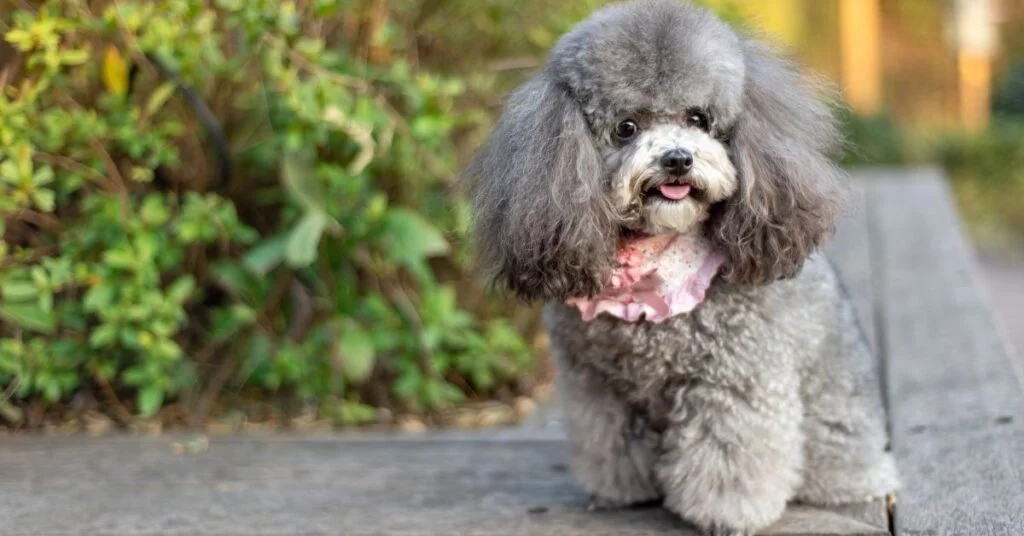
655	119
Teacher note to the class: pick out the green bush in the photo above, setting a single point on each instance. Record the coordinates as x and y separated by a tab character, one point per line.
870	141
329	271
1008	93
987	173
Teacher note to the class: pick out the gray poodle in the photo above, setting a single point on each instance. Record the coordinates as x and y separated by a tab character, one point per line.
655	119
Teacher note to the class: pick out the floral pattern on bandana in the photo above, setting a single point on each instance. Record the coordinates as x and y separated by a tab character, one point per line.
657	278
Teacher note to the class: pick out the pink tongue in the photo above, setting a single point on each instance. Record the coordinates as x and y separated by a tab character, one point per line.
675	192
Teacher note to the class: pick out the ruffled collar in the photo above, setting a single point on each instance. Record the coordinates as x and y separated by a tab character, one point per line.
657	277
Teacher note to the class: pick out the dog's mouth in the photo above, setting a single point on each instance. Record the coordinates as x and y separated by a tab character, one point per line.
674	191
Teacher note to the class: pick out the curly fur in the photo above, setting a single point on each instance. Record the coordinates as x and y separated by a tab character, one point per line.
543	223
791	190
765	393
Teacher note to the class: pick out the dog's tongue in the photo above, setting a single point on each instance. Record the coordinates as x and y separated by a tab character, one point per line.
674	192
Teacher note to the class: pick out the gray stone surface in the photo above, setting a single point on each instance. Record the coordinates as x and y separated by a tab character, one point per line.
850	253
472	484
956	401
297	486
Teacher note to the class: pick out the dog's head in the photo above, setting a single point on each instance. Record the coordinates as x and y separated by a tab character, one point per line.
654	117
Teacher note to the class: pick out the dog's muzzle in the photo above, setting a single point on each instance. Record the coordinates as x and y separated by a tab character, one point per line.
673	180
676	162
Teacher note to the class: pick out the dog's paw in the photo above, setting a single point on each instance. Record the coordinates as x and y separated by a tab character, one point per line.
615	480
732	515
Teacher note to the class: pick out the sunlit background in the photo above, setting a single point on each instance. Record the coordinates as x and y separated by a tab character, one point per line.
927	82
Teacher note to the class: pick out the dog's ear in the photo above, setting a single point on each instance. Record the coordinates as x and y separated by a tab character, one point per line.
790	189
542	225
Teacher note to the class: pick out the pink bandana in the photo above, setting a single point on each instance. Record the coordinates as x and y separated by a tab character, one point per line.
658	277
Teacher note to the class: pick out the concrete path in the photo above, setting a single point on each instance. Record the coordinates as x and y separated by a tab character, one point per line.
1003	276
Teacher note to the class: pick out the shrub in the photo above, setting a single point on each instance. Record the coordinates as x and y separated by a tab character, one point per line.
870	140
324	263
987	173
1008	93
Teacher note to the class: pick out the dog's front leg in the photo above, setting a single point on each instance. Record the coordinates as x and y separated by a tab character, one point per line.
731	456
609	456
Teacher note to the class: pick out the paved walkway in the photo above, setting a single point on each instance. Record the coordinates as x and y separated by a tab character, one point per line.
1004	277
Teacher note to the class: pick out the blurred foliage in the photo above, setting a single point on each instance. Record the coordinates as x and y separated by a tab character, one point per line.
330	272
1008	97
987	174
874	140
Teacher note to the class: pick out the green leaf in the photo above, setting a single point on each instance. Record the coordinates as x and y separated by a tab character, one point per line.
258	356
325	8
430	394
181	290
407	385
149	400
438	304
29	316
167	349
304	239
39	277
352	412
267	255
134	376
154	210
75	57
420	271
430	128
300	181
159	97
409	237
10	363
229	321
11	413
103	335
46	301
121	258
240	281
451	393
45	200
19	290
357	353
142	174
51	390
482	378
98	298
288	19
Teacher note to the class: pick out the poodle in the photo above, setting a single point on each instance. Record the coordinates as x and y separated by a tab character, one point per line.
664	184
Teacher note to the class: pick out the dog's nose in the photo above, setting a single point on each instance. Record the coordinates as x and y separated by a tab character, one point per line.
677	162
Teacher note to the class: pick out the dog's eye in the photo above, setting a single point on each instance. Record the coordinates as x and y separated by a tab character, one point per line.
626	130
698	119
